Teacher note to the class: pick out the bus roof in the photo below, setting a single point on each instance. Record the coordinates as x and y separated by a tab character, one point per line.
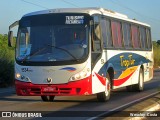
90	11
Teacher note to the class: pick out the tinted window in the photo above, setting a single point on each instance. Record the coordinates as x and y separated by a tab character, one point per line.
106	33
109	34
143	38
116	34
149	38
127	35
135	36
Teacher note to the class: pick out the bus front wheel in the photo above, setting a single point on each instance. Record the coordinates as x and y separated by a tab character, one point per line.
105	96
47	98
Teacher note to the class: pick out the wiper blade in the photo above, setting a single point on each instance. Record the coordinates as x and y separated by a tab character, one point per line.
65	51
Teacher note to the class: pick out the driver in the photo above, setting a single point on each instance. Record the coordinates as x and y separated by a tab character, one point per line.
80	38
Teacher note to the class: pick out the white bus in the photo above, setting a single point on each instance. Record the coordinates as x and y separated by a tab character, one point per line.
53	60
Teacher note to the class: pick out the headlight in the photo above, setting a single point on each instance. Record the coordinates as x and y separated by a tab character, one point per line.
20	77
17	75
80	75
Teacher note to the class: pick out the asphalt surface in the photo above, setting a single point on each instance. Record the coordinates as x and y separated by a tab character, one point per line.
148	109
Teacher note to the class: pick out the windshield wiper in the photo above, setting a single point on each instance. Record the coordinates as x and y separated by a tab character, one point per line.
65	51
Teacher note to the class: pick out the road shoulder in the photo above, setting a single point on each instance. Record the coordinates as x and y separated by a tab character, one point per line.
148	109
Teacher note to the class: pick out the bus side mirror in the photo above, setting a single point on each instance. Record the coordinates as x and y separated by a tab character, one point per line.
10	38
158	42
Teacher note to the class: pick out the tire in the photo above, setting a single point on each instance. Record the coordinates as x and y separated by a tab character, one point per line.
140	86
47	98
105	96
137	87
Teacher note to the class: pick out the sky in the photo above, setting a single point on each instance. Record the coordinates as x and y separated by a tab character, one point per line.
147	11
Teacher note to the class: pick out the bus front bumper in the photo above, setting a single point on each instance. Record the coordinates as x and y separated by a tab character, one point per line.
80	87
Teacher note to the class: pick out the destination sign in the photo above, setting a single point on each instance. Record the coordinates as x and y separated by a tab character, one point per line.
74	20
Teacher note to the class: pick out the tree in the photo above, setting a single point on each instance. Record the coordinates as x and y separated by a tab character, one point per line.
6	62
158	42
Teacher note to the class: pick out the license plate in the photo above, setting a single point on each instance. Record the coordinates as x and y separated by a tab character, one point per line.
48	89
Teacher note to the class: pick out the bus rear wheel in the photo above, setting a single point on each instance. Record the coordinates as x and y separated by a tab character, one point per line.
105	96
137	87
140	86
47	98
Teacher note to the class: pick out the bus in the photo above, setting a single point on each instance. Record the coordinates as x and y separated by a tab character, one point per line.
51	60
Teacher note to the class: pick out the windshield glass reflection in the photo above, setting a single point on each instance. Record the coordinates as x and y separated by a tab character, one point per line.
52	43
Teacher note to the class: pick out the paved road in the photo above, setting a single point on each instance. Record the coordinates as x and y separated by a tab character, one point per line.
86	106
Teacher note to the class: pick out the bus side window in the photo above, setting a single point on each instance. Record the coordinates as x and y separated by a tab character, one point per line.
127	36
143	38
135	37
104	32
96	35
149	39
116	34
109	34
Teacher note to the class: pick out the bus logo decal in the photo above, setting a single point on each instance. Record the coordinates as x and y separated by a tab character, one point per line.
127	62
122	62
49	80
70	69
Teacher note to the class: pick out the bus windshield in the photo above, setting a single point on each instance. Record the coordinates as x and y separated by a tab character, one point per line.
40	40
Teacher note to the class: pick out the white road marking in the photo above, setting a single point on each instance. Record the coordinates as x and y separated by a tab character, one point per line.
122	106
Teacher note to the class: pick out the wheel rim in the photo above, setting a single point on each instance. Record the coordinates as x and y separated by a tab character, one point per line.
107	88
141	80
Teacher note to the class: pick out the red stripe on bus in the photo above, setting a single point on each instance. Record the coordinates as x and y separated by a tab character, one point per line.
101	79
118	82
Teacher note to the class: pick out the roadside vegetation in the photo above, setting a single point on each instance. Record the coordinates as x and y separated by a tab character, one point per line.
7	61
156	50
